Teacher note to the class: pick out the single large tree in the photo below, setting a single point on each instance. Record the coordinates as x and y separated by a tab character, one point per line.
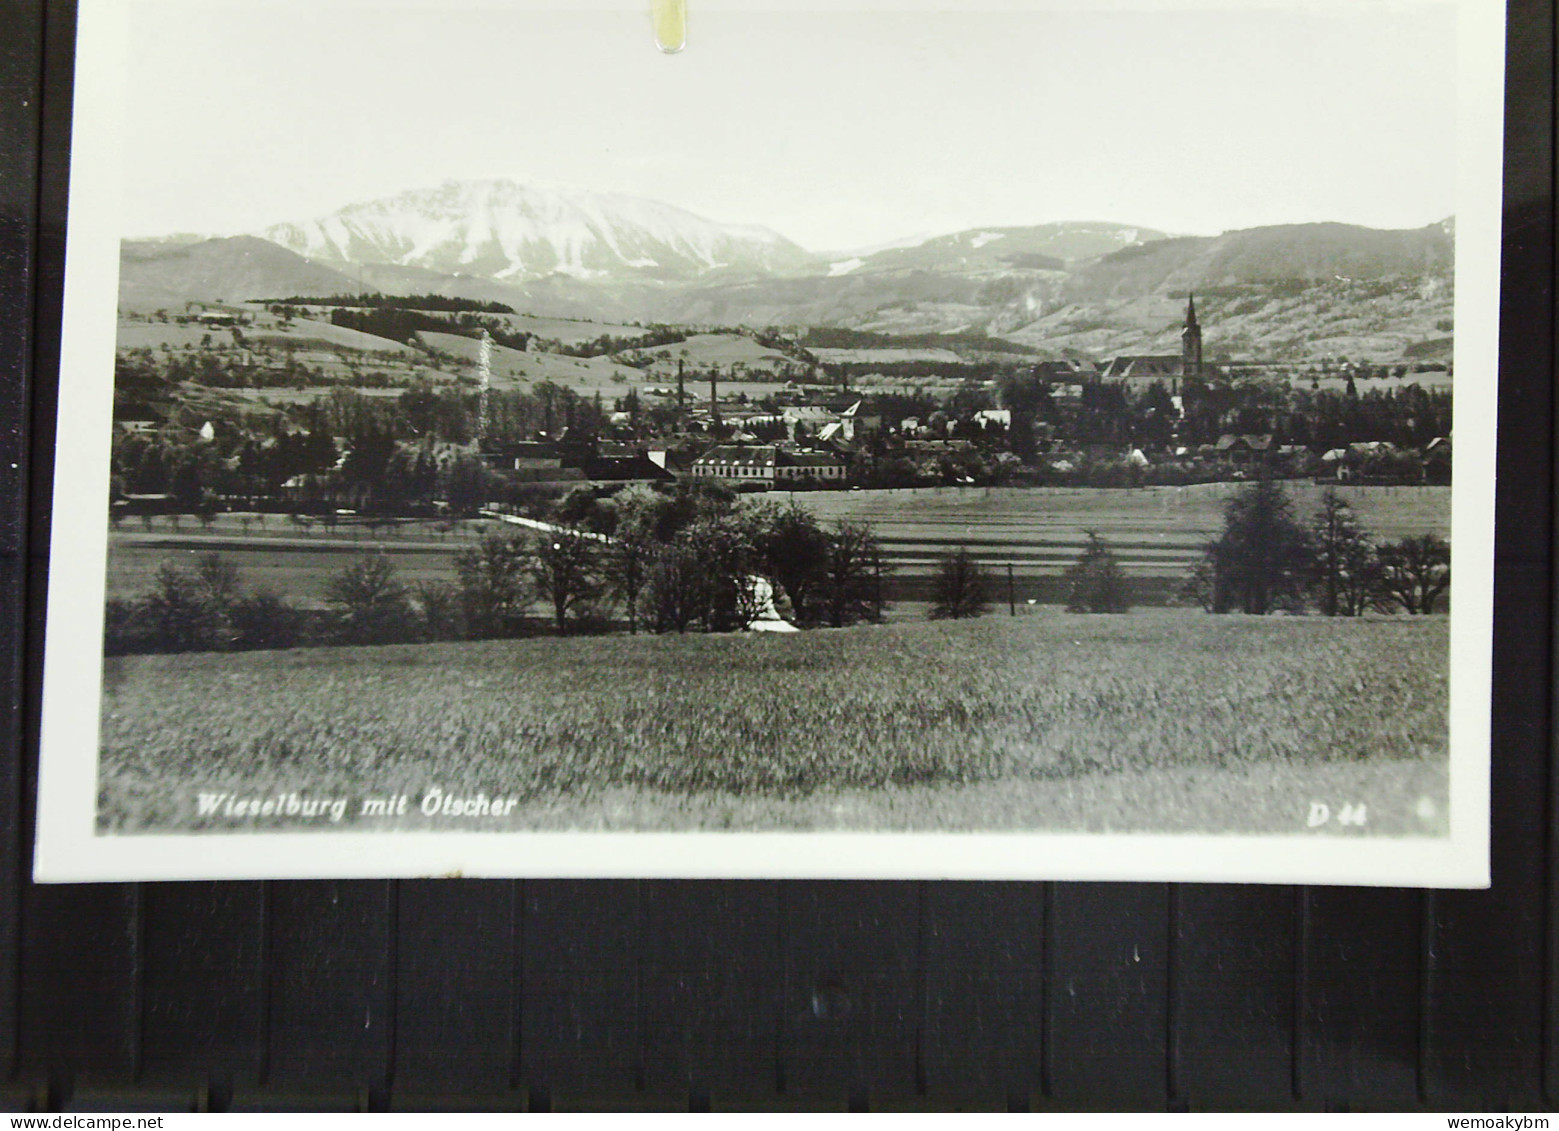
217	581
465	483
627	559
674	588
625	568
493	583
1346	571
180	617
728	568
370	602
852	575
438	603
1414	573
1263	560
1095	583
565	571
794	551
219	589
960	587
263	619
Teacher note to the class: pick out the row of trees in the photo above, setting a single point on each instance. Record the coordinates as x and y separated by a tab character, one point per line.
696	558
1095	583
1267	559
284	307
207	608
1114	413
693	559
393	454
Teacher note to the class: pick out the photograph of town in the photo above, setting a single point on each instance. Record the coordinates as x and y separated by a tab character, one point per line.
1013	421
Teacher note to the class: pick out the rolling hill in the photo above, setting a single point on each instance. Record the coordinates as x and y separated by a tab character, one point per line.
511	367
1289	253
1295	290
1379	321
730	353
1045	247
156	274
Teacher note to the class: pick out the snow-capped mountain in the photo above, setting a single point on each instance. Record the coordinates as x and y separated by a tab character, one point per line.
519	232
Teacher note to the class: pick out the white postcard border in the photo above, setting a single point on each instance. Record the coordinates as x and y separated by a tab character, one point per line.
68	848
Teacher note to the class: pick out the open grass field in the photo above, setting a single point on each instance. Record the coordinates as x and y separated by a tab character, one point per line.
281	556
1156	532
1342	319
310	394
883	356
303	333
318	332
569	331
1145	722
335	350
701	351
296	569
137	334
513	368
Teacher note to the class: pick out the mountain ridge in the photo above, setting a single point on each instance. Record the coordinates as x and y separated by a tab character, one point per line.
1071	285
154	274
515	232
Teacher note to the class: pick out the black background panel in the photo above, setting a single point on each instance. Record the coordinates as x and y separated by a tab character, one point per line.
866	995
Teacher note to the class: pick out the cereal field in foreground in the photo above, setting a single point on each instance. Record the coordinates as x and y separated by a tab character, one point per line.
1148	721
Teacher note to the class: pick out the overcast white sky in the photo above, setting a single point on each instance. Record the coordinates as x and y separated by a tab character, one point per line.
837	129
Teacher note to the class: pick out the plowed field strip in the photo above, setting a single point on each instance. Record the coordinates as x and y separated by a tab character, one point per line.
911	548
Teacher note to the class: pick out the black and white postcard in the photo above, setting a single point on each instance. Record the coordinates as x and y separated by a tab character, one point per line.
1001	440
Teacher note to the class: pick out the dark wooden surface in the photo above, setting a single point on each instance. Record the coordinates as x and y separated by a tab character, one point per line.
788	995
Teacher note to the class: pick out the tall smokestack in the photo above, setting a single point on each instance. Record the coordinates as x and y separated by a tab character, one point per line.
714	393
681	389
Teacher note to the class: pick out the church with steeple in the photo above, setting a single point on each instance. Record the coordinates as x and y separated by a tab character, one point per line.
1141	370
1190	343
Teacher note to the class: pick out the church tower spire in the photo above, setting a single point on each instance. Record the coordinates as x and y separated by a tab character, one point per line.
1190	342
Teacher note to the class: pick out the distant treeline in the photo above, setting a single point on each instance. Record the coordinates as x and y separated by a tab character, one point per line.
839	338
399	324
393	322
607	344
977	371
395	302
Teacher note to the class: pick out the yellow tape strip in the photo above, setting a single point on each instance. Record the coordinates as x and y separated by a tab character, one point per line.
670	17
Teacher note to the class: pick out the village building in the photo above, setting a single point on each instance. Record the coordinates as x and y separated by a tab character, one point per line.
1243	448
570	461
826	423
535	455
825	467
1170	370
1067	371
767	464
623	467
1141	370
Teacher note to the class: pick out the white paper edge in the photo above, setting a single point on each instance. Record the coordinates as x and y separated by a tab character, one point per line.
68	850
